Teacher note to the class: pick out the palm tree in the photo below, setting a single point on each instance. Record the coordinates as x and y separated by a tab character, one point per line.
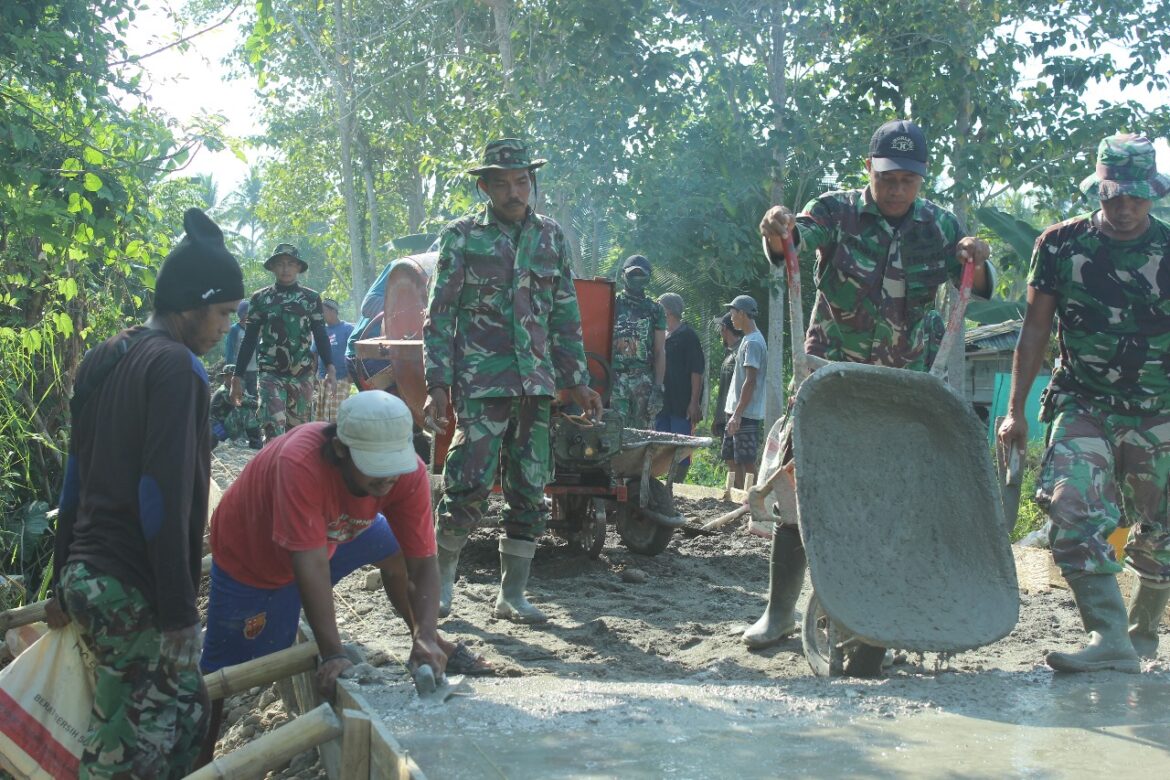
240	209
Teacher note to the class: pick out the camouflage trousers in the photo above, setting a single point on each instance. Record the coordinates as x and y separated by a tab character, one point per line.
285	401
508	434
636	397
149	718
241	422
1103	470
325	403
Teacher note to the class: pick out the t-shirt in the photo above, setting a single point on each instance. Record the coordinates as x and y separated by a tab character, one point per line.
135	494
752	352
684	357
1113	312
289	498
338	339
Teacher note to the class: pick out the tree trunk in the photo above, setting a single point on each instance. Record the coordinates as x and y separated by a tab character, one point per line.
374	223
346	120
778	92
502	13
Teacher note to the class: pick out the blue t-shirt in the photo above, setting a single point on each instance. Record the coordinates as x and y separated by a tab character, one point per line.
338	336
753	352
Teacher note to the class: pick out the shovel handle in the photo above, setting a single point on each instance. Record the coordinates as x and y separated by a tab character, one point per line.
800	366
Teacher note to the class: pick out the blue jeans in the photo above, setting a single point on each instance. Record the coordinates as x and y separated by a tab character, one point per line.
669	423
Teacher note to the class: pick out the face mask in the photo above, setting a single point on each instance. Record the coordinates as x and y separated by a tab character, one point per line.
636	283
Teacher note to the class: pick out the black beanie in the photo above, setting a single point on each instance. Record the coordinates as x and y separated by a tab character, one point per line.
199	270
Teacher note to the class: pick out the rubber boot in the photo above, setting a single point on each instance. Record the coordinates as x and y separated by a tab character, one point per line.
449	549
1103	612
515	565
1145	615
786	574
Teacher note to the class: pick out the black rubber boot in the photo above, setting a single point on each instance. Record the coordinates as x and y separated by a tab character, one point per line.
786	575
1103	612
1145	615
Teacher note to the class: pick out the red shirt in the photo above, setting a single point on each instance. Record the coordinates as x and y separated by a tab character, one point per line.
289	498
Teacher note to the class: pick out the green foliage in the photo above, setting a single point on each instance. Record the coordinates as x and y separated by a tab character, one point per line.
81	229
1031	516
707	468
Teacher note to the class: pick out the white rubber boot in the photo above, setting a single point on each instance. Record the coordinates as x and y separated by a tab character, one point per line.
449	549
515	565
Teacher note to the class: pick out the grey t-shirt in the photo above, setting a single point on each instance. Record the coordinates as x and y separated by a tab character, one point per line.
753	352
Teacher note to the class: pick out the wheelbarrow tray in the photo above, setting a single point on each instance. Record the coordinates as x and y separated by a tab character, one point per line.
899	511
661	447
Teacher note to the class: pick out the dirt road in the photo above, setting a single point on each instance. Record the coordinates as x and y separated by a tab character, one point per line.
641	673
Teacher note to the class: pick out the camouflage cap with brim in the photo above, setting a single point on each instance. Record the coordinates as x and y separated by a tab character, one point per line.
286	249
506	154
1126	165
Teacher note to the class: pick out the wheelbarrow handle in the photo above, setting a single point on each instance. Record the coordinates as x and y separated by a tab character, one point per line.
953	335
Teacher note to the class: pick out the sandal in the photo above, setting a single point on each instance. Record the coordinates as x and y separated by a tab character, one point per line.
465	661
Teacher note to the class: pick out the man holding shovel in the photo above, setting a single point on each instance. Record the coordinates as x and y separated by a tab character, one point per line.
881	254
1105	277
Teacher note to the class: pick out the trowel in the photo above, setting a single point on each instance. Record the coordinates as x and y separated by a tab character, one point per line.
434	689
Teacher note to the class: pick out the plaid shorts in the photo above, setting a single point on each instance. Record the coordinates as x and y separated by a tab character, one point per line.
745	445
324	404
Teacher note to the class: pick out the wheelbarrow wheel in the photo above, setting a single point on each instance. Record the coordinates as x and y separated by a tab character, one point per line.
586	519
639	533
831	652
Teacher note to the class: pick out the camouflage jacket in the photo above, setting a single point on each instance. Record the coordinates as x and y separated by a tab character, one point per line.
502	319
634	321
1113	312
875	284
282	324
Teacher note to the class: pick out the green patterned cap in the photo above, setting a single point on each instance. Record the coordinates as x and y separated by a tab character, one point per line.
286	249
506	154
1126	166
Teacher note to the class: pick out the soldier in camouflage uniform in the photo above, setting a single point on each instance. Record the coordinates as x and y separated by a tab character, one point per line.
284	320
881	254
1105	276
230	422
502	336
639	348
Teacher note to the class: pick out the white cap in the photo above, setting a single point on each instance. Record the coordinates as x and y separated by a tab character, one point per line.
378	429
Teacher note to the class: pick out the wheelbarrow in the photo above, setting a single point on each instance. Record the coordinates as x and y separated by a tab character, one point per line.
605	473
898	508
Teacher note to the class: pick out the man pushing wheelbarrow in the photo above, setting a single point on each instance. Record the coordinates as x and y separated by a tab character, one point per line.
881	254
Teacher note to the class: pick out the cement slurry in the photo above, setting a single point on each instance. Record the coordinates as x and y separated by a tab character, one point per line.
991	724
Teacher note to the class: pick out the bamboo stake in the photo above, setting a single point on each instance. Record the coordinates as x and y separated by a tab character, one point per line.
22	616
275	748
224	682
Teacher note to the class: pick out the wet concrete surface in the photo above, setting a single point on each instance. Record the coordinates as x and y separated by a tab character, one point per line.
996	724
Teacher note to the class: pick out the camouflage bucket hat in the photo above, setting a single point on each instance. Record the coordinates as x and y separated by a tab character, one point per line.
506	154
1126	165
286	249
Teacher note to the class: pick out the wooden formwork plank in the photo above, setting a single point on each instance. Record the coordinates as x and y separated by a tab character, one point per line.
355	745
388	759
